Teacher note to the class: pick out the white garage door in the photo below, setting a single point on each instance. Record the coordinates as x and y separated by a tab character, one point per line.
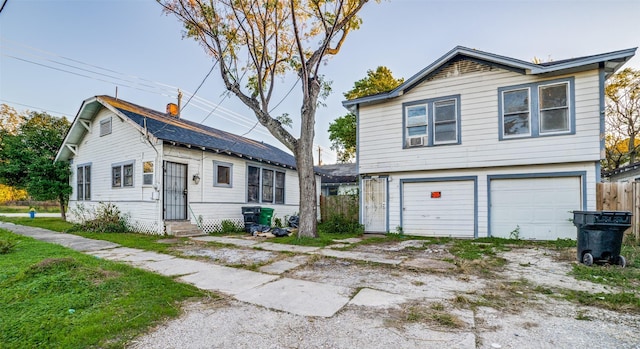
439	208
539	208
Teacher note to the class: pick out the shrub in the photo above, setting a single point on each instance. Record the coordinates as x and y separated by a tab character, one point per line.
7	246
230	227
341	224
106	218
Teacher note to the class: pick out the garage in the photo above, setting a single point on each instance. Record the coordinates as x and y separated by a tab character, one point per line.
439	208
534	208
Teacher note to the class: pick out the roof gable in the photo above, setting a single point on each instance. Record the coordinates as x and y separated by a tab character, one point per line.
453	59
174	131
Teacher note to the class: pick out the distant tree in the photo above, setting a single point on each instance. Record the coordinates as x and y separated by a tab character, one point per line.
622	118
26	159
255	43
8	193
342	131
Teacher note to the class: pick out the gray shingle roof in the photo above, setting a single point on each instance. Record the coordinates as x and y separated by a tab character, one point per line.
192	134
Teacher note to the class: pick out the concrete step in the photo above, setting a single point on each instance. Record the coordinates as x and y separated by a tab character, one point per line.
182	229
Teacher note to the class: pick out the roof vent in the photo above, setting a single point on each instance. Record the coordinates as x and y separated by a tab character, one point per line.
172	109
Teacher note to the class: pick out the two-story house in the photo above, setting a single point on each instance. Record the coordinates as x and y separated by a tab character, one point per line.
477	144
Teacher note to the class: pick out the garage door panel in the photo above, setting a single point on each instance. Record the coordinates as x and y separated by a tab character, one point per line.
540	207
453	214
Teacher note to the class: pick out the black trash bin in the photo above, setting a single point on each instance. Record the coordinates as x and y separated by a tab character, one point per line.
600	235
251	216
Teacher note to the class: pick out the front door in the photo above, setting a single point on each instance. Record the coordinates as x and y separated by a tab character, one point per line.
175	191
375	205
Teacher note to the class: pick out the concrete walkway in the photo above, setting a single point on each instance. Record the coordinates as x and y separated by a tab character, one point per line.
266	288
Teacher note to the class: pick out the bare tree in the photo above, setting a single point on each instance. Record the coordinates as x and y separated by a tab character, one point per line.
623	118
256	41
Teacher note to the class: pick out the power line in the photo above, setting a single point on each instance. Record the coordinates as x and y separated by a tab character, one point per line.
31	106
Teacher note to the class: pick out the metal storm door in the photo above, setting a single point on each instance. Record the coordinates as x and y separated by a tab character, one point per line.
175	191
375	205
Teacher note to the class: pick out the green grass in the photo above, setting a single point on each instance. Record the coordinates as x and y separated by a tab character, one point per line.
51	223
133	240
25	209
54	297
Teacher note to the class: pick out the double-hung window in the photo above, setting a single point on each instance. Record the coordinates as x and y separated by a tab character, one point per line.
554	108
83	182
265	185
432	122
537	109
122	175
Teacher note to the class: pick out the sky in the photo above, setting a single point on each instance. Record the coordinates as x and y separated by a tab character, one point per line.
56	54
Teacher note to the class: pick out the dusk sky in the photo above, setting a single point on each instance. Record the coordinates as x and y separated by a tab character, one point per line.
55	54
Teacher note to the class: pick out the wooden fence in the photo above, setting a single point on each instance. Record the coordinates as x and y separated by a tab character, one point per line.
619	196
346	205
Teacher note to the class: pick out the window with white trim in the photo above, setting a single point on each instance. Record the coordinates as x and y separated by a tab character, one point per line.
265	185
122	175
147	173
83	182
105	127
537	109
222	174
432	122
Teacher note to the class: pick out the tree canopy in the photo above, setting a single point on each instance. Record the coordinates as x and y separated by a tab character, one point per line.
622	118
255	43
27	158
342	131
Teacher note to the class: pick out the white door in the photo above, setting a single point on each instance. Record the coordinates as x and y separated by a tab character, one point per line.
375	205
535	208
445	208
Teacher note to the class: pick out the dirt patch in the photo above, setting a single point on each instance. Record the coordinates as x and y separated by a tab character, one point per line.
506	301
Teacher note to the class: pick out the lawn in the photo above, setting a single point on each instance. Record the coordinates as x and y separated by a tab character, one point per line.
25	209
54	297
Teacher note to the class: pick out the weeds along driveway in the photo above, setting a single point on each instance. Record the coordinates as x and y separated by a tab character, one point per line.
510	297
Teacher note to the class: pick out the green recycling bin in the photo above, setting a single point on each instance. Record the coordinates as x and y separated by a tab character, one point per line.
266	214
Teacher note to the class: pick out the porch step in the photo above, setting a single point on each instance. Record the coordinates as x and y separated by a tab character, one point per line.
182	229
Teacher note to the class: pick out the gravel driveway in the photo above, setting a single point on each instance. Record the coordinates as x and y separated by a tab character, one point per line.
427	305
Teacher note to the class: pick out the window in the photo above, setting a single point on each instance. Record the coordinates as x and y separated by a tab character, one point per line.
147	173
105	127
122	175
516	112
222	174
444	122
538	109
432	122
83	183
265	185
554	108
279	188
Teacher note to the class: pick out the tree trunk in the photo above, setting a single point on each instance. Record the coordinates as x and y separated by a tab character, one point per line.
61	202
304	162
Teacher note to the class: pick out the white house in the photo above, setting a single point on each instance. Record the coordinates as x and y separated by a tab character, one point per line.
159	169
477	144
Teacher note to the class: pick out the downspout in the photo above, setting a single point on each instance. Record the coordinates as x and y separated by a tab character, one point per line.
155	171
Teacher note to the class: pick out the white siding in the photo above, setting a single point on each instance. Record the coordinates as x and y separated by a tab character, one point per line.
124	144
143	204
380	128
482	175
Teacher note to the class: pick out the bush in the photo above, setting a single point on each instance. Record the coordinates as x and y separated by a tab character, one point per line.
106	218
341	224
7	246
230	227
